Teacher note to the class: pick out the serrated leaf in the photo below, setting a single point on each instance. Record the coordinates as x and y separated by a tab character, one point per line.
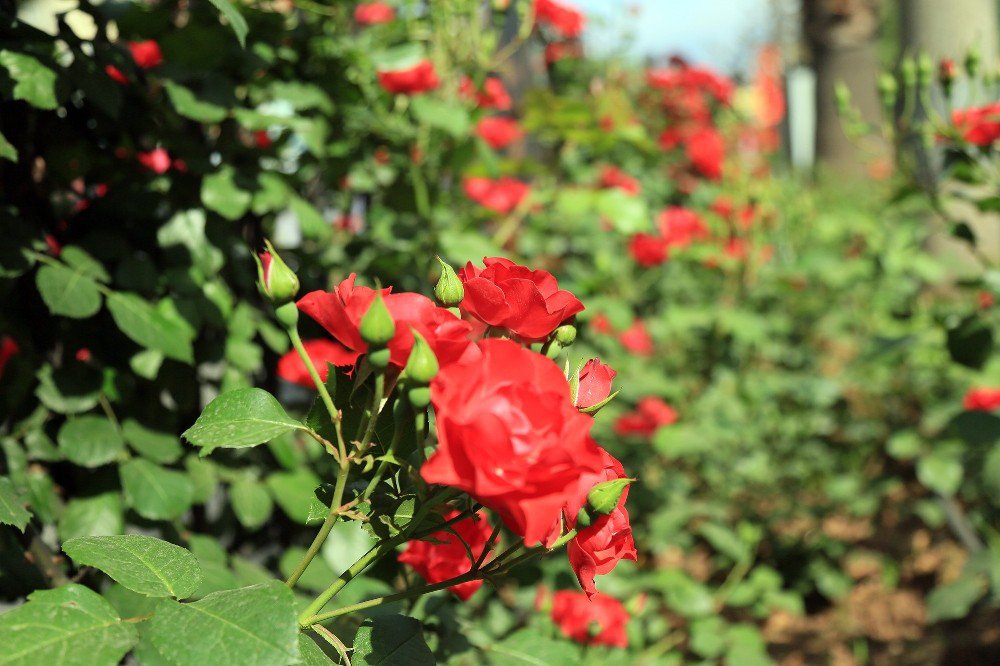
68	292
90	441
156	493
250	626
12	511
236	20
189	106
149	327
451	117
239	419
251	502
143	564
69	626
391	639
34	82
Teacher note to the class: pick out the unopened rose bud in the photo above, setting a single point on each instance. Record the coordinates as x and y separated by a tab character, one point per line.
603	498
377	329
888	90
947	72
908	71
422	366
419	396
925	70
566	335
591	386
448	291
277	282
972	61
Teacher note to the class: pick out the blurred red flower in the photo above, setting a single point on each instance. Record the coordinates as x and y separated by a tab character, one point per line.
415	80
600	620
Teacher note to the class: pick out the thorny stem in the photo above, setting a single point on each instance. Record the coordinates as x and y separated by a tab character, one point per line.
324	530
293	335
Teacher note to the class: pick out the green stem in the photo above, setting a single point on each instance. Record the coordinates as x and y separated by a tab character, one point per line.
384	465
324	530
375	408
293	335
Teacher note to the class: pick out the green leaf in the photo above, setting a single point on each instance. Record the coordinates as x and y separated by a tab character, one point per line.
189	106
219	193
90	441
236	20
68	626
99	515
954	600
68	292
685	595
7	149
251	626
251	503
143	564
34	82
12	511
239	419
154	492
69	390
317	576
80	261
398	58
293	491
991	474
971	342
149	327
940	472
160	447
448	116
312	654
391	639
530	648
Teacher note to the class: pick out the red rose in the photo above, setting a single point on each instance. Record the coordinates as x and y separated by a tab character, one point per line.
982	399
636	339
649	415
736	248
341	310
680	226
321	351
83	355
502	195
612	176
561	18
597	549
413	81
601	324
556	51
116	74
443	556
8	349
527	303
648	250
157	160
985	300
576	615
499	132
493	94
723	206
509	436
146	54
980	125
371	13
595	383
706	151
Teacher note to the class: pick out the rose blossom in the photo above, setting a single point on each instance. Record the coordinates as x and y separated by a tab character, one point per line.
575	614
528	303
636	339
8	349
680	226
979	125
706	151
372	13
648	250
982	399
156	160
649	415
412	81
498	131
502	195
443	556
595	383
562	18
341	310
613	177
321	351
493	94
509	436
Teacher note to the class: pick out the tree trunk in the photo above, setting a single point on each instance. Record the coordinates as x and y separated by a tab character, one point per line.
842	36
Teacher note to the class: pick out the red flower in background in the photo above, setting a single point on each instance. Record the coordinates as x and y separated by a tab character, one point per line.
597	549
493	94
613	177
980	125
596	380
498	131
563	19
556	51
372	13
982	399
706	151
8	349
116	74
443	556
636	339
650	413
502	195
321	351
156	160
509	436
647	249
147	54
341	310
600	620
528	303
680	226
413	81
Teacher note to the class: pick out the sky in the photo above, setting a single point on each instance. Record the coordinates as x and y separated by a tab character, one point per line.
722	33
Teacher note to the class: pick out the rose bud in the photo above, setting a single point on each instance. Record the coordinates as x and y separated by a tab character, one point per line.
448	291
603	498
565	335
592	386
277	282
377	328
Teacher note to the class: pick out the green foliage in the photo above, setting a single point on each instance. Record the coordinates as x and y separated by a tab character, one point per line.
142	564
240	418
